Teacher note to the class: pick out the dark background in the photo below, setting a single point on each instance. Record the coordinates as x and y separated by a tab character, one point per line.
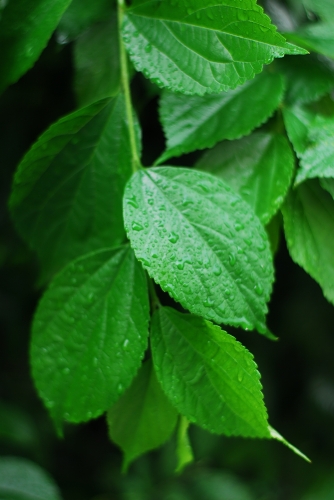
297	371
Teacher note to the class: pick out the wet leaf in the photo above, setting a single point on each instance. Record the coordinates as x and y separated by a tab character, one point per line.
202	243
317	37
89	334
208	376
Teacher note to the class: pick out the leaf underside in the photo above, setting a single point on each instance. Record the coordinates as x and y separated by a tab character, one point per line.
201	242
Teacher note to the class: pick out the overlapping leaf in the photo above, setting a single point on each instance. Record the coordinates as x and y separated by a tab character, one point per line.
309	229
25	28
328	184
324	8
96	62
195	48
67	193
192	123
297	121
209	376
81	15
143	418
202	243
316	37
259	167
90	333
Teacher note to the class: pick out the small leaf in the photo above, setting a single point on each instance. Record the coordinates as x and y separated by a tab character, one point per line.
89	334
96	62
298	120
184	451
200	122
195	48
21	479
309	229
259	167
25	28
308	79
208	376
316	37
275	435
143	418
202	243
67	192
81	15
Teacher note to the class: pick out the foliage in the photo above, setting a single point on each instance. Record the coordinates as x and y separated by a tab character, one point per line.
187	250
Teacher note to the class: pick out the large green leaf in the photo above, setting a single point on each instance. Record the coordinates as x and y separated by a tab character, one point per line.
90	333
316	37
259	167
96	62
201	48
309	229
143	418
200	122
81	15
297	121
21	479
209	376
67	193
308	79
202	243
25	28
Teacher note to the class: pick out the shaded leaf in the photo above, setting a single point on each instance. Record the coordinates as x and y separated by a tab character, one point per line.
208	376
21	479
316	37
202	243
259	167
193	48
25	29
309	229
67	192
96	62
275	435
143	418
328	184
297	121
324	8
90	333
81	15
184	450
192	123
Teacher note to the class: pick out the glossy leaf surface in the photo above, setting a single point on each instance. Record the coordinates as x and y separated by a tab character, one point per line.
201	242
25	28
96	62
21	479
81	15
309	230
67	193
297	121
90	333
316	37
195	48
209	376
192	123
259	167
143	418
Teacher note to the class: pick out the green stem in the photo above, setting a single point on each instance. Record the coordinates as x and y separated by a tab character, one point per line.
126	90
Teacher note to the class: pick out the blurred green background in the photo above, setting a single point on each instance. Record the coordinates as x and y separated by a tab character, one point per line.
297	371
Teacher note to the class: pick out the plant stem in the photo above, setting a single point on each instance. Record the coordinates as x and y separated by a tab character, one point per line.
126	90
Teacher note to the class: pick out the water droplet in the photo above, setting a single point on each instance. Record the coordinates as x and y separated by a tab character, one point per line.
180	265
148	48
173	237
258	289
150	201
66	371
216	270
240	376
132	201
249	241
120	388
90	297
209	302
210	15
232	259
242	15
125	344
238	347
136	226
238	226
95	361
89	414
50	404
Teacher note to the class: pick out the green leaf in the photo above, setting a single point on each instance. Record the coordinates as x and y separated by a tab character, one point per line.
328	184
202	243
297	121
275	435
81	15
316	37
308	79
25	28
195	48
309	229
90	333
96	62
184	450
143	418
208	376
200	122
21	479
67	192
259	167
317	161
324	8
